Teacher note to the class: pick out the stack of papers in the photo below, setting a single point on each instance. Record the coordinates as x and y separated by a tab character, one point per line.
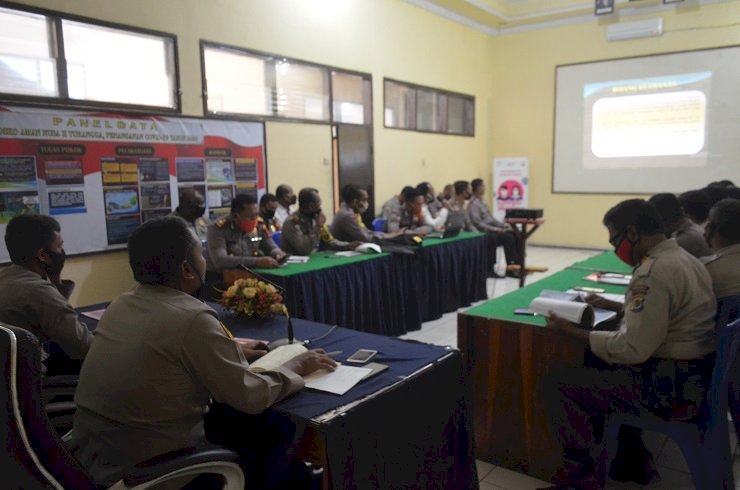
339	381
297	259
571	307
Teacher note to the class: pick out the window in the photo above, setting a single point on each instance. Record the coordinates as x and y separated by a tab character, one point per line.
27	61
112	65
351	95
426	109
240	82
101	64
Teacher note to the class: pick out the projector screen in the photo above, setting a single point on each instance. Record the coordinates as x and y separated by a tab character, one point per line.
663	123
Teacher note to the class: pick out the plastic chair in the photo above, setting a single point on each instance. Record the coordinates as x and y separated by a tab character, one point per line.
34	457
380	224
728	310
277	237
704	441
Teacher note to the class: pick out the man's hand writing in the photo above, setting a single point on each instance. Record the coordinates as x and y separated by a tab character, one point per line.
311	361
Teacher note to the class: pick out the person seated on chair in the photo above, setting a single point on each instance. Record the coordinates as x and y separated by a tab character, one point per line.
240	238
462	194
286	202
481	217
160	354
433	211
392	207
723	235
677	225
410	216
191	208
33	295
658	360
268	207
306	229
695	205
347	224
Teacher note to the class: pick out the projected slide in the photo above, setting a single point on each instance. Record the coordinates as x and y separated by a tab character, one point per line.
653	117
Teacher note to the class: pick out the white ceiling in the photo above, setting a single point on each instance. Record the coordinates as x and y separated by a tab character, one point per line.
495	17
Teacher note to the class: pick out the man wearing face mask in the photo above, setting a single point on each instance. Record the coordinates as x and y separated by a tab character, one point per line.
410	217
723	235
348	225
191	208
239	239
433	211
659	359
462	194
286	202
268	206
483	220
160	357
33	296
306	229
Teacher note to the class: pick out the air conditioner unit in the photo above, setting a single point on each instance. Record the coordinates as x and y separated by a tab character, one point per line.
636	29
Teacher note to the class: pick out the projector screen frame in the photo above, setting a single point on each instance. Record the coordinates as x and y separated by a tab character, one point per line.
557	173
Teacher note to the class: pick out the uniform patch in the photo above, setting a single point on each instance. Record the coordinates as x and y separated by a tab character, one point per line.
638	294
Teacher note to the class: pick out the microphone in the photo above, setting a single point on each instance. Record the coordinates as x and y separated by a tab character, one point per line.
291	336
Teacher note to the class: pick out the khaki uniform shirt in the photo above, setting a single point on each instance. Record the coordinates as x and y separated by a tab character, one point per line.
690	237
724	267
459	207
481	217
300	236
348	226
668	311
31	302
159	356
405	219
199	227
228	246
272	224
391	209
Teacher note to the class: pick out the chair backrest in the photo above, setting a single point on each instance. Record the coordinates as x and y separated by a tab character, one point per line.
728	345
277	237
380	224
728	309
34	454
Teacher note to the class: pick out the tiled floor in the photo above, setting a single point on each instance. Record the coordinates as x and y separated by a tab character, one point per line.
670	462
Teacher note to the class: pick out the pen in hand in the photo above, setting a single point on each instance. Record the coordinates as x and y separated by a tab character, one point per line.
334	353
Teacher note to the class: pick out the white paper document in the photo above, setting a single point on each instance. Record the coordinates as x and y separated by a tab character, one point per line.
94	314
339	381
297	259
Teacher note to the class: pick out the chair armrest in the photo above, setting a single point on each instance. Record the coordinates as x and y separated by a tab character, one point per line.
174	461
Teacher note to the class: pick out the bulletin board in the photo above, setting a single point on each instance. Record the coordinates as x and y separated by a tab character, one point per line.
102	174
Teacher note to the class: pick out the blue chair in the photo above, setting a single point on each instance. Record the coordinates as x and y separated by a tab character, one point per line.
277	237
704	441
380	224
728	310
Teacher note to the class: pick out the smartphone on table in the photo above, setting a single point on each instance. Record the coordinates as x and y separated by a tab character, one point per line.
362	356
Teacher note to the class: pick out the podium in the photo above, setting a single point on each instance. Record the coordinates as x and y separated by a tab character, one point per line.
523	228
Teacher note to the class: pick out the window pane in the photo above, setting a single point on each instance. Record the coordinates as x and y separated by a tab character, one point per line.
351	98
236	83
27	64
302	91
112	65
469	121
426	111
399	105
455	115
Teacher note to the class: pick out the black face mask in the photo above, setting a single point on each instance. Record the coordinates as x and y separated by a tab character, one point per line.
268	215
294	200
57	262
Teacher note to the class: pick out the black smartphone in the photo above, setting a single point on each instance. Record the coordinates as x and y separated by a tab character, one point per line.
524	311
283	259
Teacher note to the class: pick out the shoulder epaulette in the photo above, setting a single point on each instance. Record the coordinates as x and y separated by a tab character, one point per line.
221	222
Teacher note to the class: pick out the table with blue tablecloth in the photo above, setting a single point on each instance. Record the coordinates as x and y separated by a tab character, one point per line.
407	427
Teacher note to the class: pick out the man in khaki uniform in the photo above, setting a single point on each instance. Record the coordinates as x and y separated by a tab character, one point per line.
160	355
306	229
688	234
191	208
723	234
659	359
268	207
410	217
483	220
240	239
347	225
33	296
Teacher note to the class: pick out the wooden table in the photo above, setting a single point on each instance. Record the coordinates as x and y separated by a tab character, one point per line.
507	357
520	227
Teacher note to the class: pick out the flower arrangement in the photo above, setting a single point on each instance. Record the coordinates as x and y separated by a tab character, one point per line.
253	298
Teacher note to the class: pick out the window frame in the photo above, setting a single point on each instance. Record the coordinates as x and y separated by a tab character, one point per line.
443	114
63	100
275	117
